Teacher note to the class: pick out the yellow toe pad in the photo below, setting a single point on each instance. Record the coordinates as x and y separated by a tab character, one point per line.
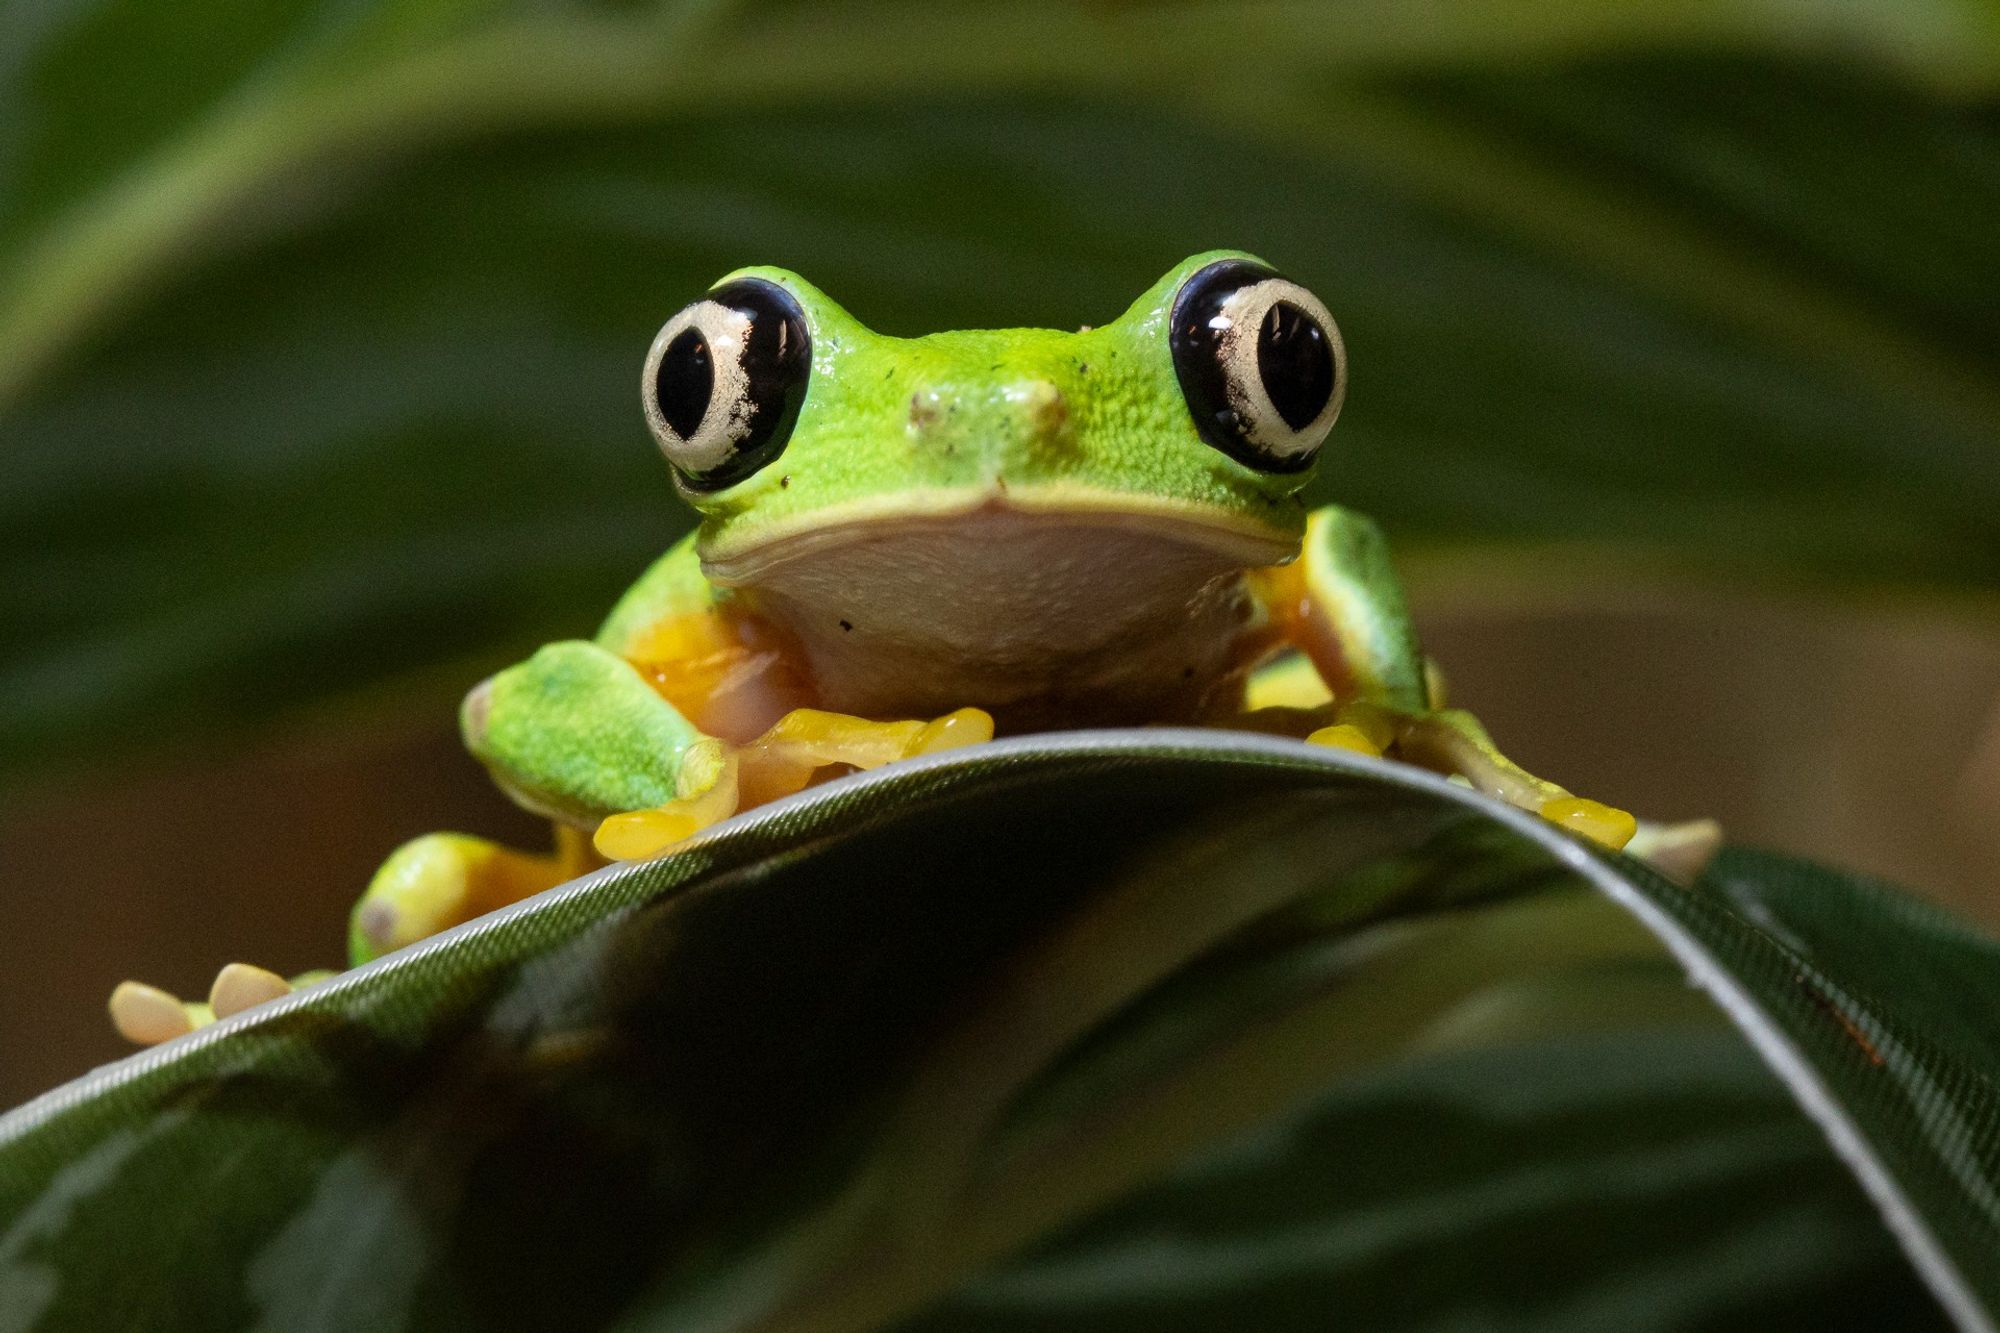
1605	825
148	1015
239	986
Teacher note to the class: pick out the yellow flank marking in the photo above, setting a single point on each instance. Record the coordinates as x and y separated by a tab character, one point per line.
1345	736
1314	613
239	986
1603	824
686	637
1292	683
148	1015
720	671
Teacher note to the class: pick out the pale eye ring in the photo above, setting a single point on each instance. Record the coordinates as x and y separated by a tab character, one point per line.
724	380
1260	363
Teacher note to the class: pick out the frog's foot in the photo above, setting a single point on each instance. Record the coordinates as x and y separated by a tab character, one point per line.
148	1015
442	879
1453	742
718	779
426	885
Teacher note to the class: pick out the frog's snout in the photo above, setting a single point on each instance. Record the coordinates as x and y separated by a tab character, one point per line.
1002	423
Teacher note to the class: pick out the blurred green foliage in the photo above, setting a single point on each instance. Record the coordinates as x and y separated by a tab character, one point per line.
319	322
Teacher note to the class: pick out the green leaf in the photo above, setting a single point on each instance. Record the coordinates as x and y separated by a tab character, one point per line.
318	323
1113	1030
1655	1173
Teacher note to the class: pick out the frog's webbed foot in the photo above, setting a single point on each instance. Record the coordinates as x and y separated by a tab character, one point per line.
148	1015
718	779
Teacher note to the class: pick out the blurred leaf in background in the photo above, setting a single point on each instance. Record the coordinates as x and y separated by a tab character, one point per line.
319	323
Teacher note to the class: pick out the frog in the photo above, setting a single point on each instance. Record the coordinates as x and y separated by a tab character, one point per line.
909	545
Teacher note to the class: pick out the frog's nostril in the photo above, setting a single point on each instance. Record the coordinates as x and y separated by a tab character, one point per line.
1043	406
927	409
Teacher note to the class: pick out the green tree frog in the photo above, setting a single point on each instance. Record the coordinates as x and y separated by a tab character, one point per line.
906	544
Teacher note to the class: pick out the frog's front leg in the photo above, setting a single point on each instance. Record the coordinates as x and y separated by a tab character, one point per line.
575	733
1340	605
588	738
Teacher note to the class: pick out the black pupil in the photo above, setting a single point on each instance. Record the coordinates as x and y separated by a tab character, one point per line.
685	382
1295	363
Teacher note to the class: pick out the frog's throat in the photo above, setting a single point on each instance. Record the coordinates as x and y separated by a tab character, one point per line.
1241	541
1044	618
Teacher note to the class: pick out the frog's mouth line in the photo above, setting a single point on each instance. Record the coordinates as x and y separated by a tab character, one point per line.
1230	539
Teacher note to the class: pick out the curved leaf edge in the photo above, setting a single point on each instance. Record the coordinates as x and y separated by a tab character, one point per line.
1625	882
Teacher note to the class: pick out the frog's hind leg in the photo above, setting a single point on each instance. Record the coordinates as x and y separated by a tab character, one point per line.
1340	604
426	885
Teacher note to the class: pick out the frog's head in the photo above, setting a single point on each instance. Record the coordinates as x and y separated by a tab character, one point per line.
1197	415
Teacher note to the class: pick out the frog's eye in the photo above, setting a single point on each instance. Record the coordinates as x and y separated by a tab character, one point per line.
1260	363
724	381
